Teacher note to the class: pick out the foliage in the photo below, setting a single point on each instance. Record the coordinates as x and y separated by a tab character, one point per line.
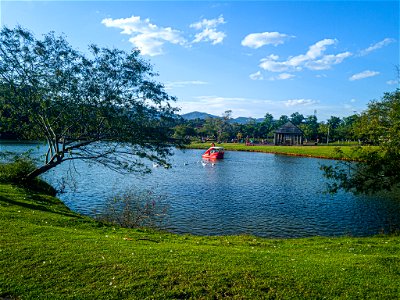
17	170
379	168
296	118
225	129
106	108
49	252
183	131
310	128
15	173
133	210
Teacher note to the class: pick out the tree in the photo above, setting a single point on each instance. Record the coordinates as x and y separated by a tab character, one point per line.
333	123
267	124
310	127
224	128
323	131
184	131
283	119
105	108
379	167
210	128
296	118
346	129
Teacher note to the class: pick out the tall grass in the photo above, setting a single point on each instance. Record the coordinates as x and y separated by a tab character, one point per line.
132	209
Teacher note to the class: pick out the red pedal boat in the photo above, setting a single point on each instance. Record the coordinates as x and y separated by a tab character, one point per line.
214	153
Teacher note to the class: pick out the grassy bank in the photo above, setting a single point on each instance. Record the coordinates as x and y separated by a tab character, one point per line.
320	151
49	252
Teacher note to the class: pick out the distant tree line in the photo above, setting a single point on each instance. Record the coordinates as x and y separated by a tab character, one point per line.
223	129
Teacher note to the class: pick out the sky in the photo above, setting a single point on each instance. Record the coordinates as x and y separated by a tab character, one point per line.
329	58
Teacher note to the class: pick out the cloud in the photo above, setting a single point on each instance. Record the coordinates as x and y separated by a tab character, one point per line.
313	59
257	40
209	31
149	38
282	76
363	75
181	84
299	102
392	82
256	76
377	46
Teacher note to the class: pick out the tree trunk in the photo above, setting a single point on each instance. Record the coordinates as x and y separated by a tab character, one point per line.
35	173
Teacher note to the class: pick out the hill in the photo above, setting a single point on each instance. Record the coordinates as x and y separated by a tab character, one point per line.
202	115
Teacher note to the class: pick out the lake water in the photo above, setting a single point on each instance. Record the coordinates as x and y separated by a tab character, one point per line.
246	193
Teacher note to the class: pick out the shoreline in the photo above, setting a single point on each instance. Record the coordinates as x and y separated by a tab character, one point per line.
321	151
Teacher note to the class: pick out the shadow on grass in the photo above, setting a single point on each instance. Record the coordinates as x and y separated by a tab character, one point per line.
39	206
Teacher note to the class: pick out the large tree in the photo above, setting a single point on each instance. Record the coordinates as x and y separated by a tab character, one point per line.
103	106
379	166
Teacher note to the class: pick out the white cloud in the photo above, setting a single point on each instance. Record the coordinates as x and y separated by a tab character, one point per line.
210	35
149	38
257	40
392	82
282	76
299	102
256	76
209	31
378	45
363	75
181	84
208	23
271	63
327	61
314	59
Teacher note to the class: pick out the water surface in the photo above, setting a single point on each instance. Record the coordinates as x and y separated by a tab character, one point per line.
246	193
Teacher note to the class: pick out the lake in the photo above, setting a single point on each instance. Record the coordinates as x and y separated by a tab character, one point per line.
245	193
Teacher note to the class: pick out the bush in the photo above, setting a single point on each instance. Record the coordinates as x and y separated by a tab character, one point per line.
134	209
16	171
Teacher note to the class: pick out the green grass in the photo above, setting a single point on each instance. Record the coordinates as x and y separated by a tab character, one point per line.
49	252
320	151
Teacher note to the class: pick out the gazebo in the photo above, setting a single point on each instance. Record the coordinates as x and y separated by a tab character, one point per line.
288	134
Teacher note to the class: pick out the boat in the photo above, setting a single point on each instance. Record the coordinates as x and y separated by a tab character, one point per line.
214	153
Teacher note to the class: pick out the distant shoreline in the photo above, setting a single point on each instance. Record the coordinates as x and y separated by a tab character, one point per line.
319	151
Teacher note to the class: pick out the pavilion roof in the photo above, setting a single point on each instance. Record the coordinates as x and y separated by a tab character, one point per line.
290	128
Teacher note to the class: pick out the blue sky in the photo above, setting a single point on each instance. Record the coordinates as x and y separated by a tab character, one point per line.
251	57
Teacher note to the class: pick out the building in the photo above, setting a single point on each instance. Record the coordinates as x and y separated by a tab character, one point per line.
288	134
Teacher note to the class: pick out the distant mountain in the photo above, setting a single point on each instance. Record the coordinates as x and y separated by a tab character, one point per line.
197	115
244	120
202	115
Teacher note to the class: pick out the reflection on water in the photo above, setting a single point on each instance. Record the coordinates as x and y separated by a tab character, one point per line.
246	193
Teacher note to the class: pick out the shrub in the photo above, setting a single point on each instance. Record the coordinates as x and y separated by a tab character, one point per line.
16	171
134	209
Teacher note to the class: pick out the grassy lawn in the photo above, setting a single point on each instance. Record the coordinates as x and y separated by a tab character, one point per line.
320	151
49	252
